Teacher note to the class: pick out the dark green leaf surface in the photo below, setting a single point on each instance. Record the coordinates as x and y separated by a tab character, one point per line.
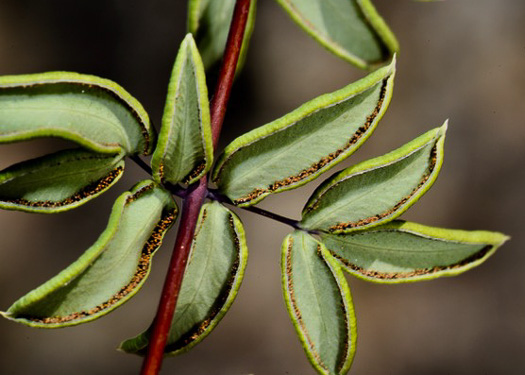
319	303
297	148
378	190
94	112
59	181
184	150
109	272
351	29
211	281
403	252
209	21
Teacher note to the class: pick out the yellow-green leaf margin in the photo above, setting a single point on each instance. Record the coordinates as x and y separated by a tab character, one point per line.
111	271
343	247
258	163
134	137
184	151
341	204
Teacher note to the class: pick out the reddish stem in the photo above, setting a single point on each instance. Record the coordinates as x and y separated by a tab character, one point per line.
195	198
228	67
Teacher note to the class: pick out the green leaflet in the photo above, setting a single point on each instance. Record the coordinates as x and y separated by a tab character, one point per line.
297	148
184	149
211	281
94	112
210	22
109	272
351	29
319	302
404	252
378	190
58	182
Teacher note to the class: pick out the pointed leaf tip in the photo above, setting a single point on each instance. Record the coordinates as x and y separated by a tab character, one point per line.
444	127
188	39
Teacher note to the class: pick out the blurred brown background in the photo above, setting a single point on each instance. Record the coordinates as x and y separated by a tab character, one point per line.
462	60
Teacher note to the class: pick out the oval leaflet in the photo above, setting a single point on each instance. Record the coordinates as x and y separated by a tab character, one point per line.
111	271
210	284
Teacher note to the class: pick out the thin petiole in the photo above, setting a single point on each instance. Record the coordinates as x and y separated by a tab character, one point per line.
177	190
142	164
215	195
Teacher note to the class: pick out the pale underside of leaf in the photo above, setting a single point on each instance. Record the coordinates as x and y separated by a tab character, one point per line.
210	21
184	151
109	272
211	281
351	29
405	252
59	181
378	190
319	303
94	112
297	148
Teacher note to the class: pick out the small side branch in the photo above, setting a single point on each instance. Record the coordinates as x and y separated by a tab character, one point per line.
177	190
142	164
215	195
